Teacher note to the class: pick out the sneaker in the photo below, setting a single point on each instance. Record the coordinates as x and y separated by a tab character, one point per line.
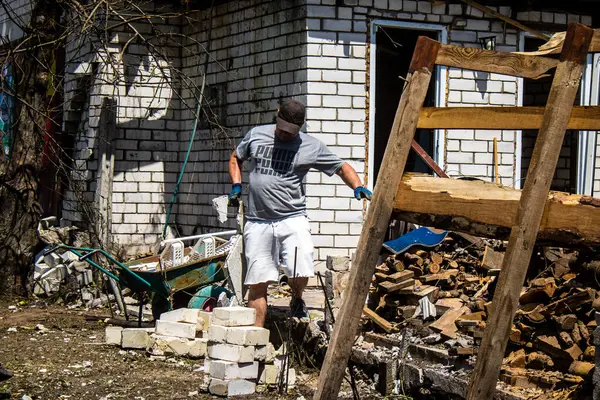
299	309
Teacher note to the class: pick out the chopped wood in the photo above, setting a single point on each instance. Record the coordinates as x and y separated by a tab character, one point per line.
484	287
380	276
436	258
446	321
394	287
443	276
398	266
476	316
489	210
465	322
413	259
453	264
581	368
590	353
583	331
449	293
418	271
380	321
515	335
449	303
570	303
551	346
516	359
422	253
566	339
537	360
539	294
434	268
401	276
463	351
576	333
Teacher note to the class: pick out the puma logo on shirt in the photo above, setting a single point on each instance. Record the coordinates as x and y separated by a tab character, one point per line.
274	161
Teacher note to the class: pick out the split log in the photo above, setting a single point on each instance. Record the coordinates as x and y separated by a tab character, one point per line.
394	287
539	361
380	321
401	276
489	210
581	368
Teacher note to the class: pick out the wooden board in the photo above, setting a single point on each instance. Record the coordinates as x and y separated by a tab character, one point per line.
494	61
401	276
489	210
446	322
582	118
492	259
378	215
380	321
530	212
554	45
394	287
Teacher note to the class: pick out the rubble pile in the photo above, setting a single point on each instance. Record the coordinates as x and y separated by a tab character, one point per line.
444	295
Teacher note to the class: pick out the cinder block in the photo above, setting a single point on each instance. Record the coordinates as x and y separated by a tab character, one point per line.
234	316
269	375
228	370
206	317
197	348
113	335
237	387
187	315
217	333
52	259
231	352
165	345
178	329
136	338
248	336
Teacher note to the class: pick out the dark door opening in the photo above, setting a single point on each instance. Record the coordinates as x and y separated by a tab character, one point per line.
394	51
535	93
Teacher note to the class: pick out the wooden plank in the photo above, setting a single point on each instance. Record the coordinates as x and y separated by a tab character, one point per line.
401	276
446	321
582	118
513	64
492	259
378	215
489	210
554	45
380	321
530	212
506	19
394	287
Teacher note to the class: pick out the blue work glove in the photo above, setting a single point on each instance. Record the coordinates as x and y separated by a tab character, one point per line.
235	194
362	192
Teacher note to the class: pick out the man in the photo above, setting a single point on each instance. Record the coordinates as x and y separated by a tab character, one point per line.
277	230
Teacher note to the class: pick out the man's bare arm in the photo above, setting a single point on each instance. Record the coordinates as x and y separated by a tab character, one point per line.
349	176
235	168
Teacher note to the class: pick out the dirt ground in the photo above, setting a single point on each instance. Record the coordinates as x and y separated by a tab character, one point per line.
71	361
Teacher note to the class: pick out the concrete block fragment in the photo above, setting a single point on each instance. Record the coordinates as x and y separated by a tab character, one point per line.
269	375
248	336
113	335
197	348
234	316
187	315
136	338
338	263
165	345
52	259
228	370
231	352
206	317
178	329
237	387
217	333
207	362
265	353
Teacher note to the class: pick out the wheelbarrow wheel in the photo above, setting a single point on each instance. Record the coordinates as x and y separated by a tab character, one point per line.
160	305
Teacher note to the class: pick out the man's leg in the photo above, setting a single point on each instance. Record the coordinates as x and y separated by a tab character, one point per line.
257	299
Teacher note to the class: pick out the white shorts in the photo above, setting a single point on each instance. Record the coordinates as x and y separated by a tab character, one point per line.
271	245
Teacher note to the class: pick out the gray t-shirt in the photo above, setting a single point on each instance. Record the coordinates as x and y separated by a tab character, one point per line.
277	170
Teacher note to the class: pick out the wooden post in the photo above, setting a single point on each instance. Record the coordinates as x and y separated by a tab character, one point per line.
530	211
378	215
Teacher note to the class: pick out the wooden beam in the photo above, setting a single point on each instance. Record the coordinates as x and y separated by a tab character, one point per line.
378	215
585	118
513	64
554	45
530	211
506	19
380	321
486	209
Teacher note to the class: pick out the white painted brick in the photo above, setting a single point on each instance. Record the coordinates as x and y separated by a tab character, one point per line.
337	76
234	316
198	347
236	387
503	147
424	7
231	352
322	240
333	228
462	84
356	64
336	126
321	113
508	136
228	370
477	25
321	37
346	241
248	336
135	338
359	77
177	329
484	158
321	62
474	146
460	134
473	170
560	19
320	190
322	88
334	50
455	96
113	335
337	25
352	38
509	87
351	115
502	99
334	204
409	5
337	101
475	97
320	11
320	215
313	100
488	134
460	158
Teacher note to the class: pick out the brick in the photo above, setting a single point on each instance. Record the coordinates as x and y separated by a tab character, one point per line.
166	345
228	370
177	329
474	146
198	347
337	76
356	64
231	352
113	335
206	318
237	387
248	336
462	84
217	333
320	11
322	88
265	353
460	158
502	99
187	315
136	338
483	158
337	25
234	316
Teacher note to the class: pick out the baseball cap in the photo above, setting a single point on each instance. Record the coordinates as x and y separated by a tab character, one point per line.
291	116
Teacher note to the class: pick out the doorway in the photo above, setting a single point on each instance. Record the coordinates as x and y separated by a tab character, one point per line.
392	47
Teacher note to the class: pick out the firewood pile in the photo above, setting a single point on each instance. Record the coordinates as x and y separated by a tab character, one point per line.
444	294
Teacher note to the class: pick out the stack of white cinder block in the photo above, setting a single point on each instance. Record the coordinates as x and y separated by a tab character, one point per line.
237	352
181	332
